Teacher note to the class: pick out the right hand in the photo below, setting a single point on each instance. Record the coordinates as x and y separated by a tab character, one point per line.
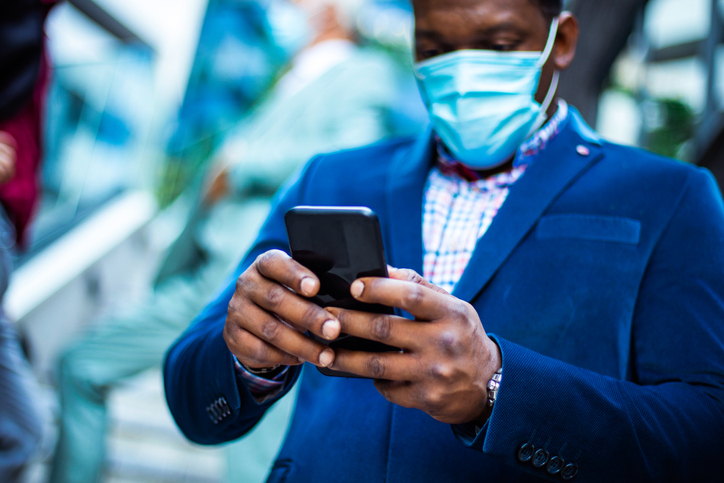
267	318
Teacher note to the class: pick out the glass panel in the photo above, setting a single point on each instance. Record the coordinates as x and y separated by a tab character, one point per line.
99	117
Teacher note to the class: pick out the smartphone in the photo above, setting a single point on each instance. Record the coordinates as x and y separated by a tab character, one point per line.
340	245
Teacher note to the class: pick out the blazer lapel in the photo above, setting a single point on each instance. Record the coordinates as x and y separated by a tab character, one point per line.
558	166
405	186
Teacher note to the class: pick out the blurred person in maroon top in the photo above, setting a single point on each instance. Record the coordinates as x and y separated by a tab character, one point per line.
23	87
23	82
20	153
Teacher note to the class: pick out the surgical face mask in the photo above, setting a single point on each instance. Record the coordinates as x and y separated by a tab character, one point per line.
482	103
288	27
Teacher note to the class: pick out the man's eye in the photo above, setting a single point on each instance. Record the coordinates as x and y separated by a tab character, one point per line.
428	53
502	47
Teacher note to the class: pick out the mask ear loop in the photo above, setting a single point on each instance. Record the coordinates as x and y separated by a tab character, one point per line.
549	43
554	82
551	91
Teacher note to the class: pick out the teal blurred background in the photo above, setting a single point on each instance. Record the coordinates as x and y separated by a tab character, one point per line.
144	94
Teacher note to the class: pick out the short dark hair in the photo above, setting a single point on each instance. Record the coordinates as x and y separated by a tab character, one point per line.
550	8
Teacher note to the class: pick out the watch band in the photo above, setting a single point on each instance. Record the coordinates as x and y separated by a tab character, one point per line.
264	371
493	385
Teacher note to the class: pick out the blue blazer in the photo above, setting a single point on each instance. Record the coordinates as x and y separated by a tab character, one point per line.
602	280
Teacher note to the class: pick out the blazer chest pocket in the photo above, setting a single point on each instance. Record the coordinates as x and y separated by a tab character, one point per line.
590	227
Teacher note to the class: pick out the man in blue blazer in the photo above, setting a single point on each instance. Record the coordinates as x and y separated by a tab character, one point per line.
571	319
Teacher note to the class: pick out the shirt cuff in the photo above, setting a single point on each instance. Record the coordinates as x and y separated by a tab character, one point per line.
470	435
261	388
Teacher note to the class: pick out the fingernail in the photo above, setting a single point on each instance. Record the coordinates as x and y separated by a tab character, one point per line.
326	357
331	329
307	286
357	288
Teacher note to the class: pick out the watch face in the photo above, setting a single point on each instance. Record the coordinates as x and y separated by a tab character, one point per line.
493	385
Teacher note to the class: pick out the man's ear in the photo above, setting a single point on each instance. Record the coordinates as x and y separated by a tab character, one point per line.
566	40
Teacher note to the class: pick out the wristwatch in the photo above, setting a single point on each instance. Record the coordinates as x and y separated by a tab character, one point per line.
493	385
264	371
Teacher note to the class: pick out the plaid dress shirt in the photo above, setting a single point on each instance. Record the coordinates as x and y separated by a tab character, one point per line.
459	206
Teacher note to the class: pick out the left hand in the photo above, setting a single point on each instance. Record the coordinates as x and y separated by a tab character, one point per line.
8	157
447	358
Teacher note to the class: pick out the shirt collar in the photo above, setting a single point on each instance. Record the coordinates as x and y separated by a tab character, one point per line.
525	154
540	139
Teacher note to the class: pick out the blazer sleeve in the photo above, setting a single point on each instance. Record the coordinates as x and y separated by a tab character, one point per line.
208	399
666	421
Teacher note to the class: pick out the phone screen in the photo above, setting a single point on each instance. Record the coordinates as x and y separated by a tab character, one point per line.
340	245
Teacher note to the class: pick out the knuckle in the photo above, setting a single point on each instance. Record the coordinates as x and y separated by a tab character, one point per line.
262	261
242	341
265	261
440	372
473	323
232	309
413	296
459	311
241	284
376	367
274	296
233	325
242	338
433	401
246	285
230	331
270	330
449	342
411	275
236	306
381	327
469	312
313	317
255	351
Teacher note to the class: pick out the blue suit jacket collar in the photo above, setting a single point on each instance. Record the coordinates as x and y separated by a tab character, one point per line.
557	167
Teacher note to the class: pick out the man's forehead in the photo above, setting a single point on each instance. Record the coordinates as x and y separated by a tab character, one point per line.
468	16
487	6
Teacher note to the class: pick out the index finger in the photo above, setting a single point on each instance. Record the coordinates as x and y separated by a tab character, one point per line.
278	266
422	302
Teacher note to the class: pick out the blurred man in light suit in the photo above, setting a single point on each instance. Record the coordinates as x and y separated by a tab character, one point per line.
335	95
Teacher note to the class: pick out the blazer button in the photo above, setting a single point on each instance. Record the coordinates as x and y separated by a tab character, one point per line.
212	414
555	465
525	452
569	471
220	409
540	458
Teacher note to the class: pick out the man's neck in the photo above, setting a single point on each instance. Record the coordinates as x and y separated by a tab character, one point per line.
508	165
